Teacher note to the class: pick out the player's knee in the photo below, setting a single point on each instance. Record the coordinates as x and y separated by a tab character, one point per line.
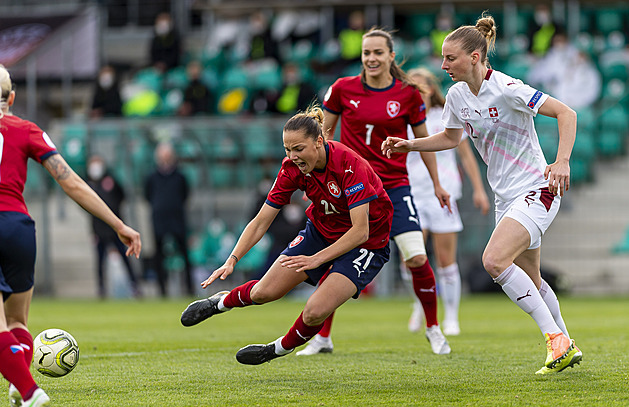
493	263
260	295
313	316
416	261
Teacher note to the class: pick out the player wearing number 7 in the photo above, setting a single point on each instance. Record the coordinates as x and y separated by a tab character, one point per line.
381	102
347	233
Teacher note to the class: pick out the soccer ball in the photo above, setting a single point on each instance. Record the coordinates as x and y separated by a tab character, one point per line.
55	353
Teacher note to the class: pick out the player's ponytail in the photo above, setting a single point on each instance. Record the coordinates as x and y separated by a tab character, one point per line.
5	89
310	122
481	37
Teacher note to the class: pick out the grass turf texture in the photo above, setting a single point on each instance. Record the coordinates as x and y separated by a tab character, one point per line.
138	354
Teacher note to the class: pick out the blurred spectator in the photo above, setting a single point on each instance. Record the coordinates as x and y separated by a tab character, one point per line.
197	97
106	100
167	190
541	30
166	44
263	46
296	94
567	73
443	26
351	38
110	191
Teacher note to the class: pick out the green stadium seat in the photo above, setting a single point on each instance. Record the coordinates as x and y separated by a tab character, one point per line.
176	78
267	78
608	20
580	171
221	175
622	246
584	146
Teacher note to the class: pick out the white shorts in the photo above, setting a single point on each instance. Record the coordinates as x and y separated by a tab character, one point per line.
410	244
436	219
535	210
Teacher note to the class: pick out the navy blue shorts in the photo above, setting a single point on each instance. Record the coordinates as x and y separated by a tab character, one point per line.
17	252
405	216
360	265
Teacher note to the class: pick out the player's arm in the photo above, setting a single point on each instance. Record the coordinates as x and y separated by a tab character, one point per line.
470	166
449	138
329	124
558	173
430	160
354	237
251	235
82	194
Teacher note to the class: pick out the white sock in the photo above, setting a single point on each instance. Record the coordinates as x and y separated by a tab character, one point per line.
450	290
549	297
279	349
221	306
522	291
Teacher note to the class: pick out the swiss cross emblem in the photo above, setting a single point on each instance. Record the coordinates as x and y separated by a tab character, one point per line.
393	108
334	189
493	112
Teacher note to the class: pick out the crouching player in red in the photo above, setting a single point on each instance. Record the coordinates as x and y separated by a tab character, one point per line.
347	231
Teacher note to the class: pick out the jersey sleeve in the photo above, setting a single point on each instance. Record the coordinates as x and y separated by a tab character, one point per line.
332	98
523	98
417	114
282	189
449	119
40	144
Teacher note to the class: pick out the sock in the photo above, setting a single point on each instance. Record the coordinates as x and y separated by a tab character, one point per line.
13	365
522	291
299	334
26	340
425	290
450	290
238	297
549	297
327	326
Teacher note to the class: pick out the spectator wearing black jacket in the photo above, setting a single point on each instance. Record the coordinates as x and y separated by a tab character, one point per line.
166	44
106	101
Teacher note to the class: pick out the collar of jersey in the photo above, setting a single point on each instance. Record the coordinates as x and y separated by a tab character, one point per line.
381	89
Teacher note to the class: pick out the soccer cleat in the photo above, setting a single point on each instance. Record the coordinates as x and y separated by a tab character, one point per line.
38	399
451	328
560	351
438	342
201	310
318	344
416	321
15	398
572	359
257	354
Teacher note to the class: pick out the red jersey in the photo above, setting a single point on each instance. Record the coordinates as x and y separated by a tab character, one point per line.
369	116
19	140
346	182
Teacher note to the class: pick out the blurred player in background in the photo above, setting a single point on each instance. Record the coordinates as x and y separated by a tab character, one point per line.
443	225
347	234
497	113
19	141
382	101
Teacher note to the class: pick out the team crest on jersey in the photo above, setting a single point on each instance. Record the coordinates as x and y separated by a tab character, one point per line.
465	113
296	241
393	108
493	113
334	189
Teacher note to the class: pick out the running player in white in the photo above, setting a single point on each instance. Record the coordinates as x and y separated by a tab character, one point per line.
497	113
443	225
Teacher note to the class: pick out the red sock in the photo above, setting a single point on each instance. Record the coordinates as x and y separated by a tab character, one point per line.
424	286
26	340
327	326
13	366
299	333
240	296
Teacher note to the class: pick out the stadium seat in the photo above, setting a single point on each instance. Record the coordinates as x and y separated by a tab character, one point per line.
150	78
580	171
622	246
269	77
221	175
176	78
608	20
584	146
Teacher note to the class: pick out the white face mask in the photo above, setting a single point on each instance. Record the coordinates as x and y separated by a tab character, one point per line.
162	27
106	80
96	170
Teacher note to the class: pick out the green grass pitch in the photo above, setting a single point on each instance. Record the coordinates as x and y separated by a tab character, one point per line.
136	353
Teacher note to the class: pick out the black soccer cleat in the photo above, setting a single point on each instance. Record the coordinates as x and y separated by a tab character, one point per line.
201	310
257	354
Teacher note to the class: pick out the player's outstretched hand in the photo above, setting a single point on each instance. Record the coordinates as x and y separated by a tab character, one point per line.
395	145
131	239
221	272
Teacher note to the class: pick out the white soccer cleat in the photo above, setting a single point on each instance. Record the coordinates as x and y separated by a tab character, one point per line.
38	399
417	320
438	342
15	398
451	328
318	344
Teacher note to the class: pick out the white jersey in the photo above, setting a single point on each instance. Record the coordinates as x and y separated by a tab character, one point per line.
500	123
449	175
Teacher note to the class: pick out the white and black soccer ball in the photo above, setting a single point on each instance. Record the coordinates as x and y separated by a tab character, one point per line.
55	353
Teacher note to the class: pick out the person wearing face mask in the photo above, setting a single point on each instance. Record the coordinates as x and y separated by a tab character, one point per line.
541	30
296	94
166	190
166	45
110	191
106	101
